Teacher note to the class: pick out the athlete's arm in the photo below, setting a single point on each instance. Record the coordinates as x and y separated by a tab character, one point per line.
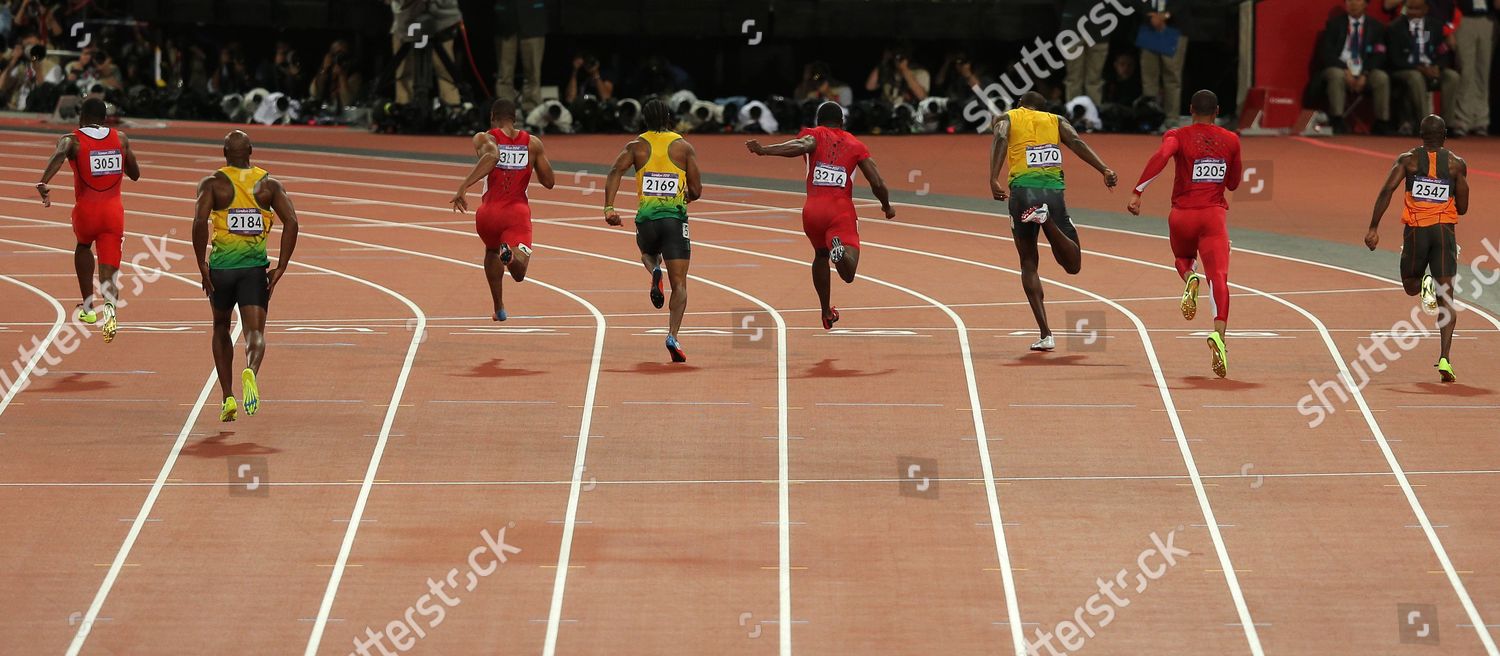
201	210
694	178
1069	136
612	183
997	156
132	168
1383	201
281	203
489	155
67	148
539	163
1234	173
1461	186
877	186
790	148
1154	167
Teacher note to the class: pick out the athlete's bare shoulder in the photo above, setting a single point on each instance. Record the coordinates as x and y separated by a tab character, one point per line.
1462	166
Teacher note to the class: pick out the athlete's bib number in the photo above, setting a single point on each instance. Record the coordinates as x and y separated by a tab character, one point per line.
660	184
1432	190
828	175
249	222
514	158
1209	170
1045	156
106	162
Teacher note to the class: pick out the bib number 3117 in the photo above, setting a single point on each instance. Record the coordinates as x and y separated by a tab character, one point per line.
513	158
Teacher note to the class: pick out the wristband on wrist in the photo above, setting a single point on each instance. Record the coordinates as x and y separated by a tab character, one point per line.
609	208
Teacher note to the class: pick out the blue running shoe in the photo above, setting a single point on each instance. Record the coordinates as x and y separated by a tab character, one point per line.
675	349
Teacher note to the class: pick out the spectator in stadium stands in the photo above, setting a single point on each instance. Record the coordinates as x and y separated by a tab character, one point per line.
93	68
26	68
1085	73
232	75
958	76
40	18
283	72
588	79
338	82
1122	88
1161	74
1352	56
439	21
1474	39
898	79
7	23
520	25
1421	62
658	76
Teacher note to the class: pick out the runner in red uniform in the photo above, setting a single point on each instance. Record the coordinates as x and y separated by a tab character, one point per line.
100	157
828	216
1208	162
507	156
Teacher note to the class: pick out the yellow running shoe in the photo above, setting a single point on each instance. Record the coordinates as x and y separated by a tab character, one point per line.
111	325
1445	370
251	391
227	412
1190	296
1220	354
1429	296
87	316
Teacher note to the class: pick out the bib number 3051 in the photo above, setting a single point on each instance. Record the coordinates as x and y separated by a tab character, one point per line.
1209	170
828	175
660	184
1432	190
248	222
106	162
513	158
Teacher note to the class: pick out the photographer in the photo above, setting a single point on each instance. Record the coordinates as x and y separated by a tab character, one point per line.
898	79
437	22
588	79
283	72
93	68
28	67
232	75
338	82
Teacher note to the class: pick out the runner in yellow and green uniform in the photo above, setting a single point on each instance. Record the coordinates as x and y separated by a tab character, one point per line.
236	208
667	179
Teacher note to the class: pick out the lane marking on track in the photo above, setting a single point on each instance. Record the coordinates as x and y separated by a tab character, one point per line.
23	375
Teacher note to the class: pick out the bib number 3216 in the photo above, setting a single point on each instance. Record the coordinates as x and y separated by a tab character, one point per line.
1209	170
248	222
106	162
828	175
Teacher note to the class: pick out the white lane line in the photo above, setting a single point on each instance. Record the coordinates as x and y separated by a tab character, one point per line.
23	375
1222	551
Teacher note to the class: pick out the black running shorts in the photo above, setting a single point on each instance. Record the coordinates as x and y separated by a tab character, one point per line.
665	237
246	286
1432	247
1024	200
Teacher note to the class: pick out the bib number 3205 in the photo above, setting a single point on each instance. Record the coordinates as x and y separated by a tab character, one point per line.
247	222
106	162
1209	170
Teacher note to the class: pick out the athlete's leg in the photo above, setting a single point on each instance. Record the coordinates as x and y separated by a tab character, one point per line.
518	236
1063	237
223	346
1447	315
520	259
254	319
651	260
821	282
1182	233
494	274
1213	247
1030	281
83	265
677	275
848	265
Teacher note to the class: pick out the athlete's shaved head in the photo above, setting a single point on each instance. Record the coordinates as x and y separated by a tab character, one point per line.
237	148
1205	103
1032	100
93	111
656	115
504	109
830	114
1434	130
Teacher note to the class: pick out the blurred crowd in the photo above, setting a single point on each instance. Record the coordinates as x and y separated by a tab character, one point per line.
1387	59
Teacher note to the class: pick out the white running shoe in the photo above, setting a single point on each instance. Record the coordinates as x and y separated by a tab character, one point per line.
1044	344
1429	296
1037	214
836	254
